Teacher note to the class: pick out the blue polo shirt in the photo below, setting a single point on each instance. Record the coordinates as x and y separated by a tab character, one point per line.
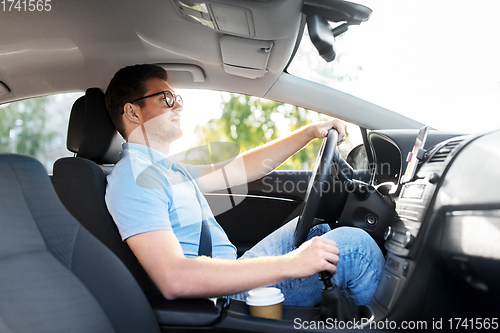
147	191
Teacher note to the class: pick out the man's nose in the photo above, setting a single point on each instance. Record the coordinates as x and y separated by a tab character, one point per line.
177	108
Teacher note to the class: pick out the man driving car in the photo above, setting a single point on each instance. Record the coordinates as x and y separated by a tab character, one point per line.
158	206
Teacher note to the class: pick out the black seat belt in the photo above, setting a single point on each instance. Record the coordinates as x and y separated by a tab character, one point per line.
205	247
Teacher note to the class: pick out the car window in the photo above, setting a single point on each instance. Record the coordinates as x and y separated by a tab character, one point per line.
248	122
37	127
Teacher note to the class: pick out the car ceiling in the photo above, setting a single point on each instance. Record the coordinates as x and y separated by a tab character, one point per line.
81	43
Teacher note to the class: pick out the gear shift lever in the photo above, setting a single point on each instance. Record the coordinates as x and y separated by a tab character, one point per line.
326	277
334	304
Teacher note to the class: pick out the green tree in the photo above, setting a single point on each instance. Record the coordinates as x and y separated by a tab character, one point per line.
23	127
249	122
305	158
245	121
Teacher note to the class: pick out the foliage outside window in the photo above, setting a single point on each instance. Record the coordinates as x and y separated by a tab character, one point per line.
37	127
22	129
249	122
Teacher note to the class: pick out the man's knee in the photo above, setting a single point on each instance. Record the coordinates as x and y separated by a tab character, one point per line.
356	240
351	235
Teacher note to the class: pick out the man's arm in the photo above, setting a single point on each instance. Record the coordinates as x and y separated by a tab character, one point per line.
176	276
259	161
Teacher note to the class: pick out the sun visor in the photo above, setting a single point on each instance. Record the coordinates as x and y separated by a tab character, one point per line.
183	73
245	57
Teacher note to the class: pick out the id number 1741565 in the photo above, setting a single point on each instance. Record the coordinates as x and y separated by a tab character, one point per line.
473	323
26	5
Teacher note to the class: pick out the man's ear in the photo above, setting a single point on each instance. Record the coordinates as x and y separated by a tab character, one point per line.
131	112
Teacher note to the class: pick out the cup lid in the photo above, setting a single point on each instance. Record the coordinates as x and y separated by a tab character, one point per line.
265	296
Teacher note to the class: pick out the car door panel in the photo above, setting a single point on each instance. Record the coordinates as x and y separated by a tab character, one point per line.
260	207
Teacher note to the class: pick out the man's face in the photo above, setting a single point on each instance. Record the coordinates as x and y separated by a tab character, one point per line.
161	122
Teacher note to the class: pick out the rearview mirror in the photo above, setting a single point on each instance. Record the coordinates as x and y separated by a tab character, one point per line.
321	36
320	32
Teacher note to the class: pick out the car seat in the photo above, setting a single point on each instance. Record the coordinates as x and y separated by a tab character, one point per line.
80	183
54	275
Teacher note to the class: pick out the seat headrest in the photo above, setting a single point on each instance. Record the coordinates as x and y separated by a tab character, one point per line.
91	133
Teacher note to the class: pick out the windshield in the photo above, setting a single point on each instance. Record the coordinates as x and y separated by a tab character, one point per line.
434	61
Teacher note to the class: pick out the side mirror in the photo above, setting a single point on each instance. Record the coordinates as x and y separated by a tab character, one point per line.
321	36
357	158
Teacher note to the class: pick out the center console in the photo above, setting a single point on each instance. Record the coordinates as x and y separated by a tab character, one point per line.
415	195
294	318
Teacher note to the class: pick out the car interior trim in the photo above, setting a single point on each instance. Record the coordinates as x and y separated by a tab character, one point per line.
196	71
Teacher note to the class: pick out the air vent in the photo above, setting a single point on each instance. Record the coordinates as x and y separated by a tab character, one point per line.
443	152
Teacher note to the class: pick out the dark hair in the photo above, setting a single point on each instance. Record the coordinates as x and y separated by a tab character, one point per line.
128	84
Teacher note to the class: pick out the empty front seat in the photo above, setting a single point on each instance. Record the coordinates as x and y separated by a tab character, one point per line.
54	275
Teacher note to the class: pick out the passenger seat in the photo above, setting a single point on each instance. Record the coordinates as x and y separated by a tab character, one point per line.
54	275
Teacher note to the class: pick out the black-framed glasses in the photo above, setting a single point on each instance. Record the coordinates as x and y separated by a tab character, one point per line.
169	98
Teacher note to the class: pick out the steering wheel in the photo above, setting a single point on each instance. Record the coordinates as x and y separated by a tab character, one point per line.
328	157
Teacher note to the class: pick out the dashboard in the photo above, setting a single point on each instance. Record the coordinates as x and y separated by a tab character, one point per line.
442	240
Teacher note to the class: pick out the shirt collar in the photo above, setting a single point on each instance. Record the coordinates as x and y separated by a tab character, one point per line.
148	151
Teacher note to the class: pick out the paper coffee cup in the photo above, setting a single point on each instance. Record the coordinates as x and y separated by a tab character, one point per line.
266	303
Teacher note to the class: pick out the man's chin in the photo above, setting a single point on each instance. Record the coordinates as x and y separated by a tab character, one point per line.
178	134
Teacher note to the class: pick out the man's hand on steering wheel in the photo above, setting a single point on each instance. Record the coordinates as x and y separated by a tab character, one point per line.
321	129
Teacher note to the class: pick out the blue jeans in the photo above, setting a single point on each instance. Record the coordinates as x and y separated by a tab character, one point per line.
358	271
